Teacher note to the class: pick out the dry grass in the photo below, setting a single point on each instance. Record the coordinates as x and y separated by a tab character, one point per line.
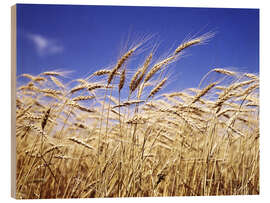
74	142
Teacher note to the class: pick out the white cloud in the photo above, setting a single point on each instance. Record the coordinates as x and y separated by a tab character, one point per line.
44	45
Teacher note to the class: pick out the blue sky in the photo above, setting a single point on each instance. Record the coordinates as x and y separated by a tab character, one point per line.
86	38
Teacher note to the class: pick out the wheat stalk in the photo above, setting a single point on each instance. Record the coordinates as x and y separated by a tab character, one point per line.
203	92
80	142
199	40
120	62
122	80
157	67
57	82
157	88
138	76
82	98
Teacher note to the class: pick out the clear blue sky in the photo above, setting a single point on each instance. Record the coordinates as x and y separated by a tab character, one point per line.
86	38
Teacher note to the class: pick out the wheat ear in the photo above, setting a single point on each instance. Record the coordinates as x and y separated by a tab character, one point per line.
157	88
199	40
120	62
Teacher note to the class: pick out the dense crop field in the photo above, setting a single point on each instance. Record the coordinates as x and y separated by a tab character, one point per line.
118	133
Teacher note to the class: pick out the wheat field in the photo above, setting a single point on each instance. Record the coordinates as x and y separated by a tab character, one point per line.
119	133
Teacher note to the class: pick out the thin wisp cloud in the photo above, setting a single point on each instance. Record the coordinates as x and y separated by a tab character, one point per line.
45	46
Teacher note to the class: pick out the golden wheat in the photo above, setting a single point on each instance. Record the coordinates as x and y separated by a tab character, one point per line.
199	141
